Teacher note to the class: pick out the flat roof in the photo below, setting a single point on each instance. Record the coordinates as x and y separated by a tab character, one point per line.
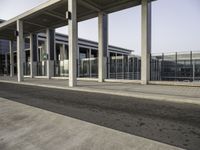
52	14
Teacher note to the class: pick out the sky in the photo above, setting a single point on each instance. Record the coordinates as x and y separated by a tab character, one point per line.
175	24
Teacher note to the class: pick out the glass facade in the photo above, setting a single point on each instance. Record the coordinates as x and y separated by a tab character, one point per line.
177	66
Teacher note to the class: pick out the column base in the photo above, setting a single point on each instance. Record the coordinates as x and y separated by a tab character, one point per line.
144	82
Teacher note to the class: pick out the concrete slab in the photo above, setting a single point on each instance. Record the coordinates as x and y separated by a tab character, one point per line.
24	127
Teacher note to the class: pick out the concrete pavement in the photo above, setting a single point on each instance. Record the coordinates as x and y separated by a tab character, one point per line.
24	127
176	124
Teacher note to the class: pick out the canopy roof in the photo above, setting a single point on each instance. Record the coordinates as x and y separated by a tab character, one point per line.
52	14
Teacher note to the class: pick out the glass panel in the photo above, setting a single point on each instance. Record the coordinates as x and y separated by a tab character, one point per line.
61	68
94	67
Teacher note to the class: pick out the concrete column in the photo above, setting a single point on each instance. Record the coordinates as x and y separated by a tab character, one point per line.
50	46
146	41
103	46
73	42
33	55
11	59
20	50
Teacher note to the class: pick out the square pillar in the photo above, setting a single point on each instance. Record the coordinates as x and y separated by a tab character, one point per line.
50	50
33	55
11	59
146	41
103	46
20	50
73	42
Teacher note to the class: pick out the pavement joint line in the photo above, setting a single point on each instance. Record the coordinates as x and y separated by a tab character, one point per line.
149	96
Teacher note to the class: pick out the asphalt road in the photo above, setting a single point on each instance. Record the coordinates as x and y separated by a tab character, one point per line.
170	123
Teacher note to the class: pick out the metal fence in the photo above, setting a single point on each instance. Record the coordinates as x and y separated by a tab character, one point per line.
124	67
182	66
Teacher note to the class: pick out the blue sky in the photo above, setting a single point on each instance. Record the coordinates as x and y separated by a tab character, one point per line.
175	24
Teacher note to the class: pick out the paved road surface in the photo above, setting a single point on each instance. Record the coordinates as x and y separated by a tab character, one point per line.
170	123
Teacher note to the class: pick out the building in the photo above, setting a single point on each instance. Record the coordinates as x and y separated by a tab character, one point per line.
120	61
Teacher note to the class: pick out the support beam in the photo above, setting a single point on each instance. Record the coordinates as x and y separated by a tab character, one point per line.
73	42
11	59
33	55
146	41
20	50
50	46
103	46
